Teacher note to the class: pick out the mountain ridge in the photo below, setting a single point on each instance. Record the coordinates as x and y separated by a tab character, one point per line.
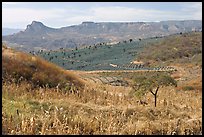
38	36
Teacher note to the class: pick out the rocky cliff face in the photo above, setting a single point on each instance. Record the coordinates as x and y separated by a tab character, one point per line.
39	27
38	36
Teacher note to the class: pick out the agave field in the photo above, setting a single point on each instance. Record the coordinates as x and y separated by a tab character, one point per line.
99	56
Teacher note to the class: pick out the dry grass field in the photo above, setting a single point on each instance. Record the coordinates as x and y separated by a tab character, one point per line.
99	109
39	98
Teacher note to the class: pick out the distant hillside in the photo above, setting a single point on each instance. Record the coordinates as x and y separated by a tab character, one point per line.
97	57
183	48
10	31
38	36
178	48
18	66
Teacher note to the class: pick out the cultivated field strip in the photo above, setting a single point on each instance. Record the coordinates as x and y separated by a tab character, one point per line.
133	71
141	67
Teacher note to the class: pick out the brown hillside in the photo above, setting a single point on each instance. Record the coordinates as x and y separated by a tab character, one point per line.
182	49
22	66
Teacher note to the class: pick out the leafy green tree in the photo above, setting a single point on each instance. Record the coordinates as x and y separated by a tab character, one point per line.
152	83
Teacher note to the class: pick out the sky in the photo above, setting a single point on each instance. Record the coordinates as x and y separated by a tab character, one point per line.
62	14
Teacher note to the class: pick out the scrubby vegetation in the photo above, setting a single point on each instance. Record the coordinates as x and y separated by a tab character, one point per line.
182	48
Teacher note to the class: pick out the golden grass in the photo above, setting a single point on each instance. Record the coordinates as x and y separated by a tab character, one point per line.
191	75
46	111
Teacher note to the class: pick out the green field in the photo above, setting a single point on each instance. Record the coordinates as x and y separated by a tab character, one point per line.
97	57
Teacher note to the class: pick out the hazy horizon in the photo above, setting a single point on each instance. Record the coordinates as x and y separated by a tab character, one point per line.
92	21
18	15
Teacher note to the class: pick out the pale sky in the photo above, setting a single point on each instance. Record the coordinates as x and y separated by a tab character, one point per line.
62	14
